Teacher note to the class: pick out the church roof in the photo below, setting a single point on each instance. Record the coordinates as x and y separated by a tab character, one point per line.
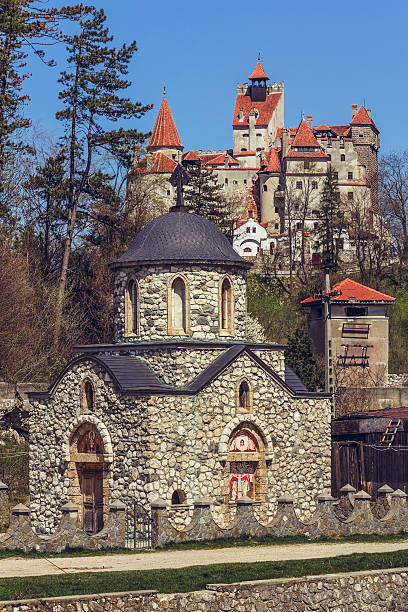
164	132
363	118
181	236
258	72
265	109
351	291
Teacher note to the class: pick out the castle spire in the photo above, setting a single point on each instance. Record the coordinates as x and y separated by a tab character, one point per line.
258	73
164	132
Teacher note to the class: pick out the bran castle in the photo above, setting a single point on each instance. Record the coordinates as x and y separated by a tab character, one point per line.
278	170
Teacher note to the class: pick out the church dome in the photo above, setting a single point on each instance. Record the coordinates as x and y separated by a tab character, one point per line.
181	236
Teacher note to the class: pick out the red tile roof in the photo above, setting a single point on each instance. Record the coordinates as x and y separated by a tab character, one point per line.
190	156
304	136
362	118
242	153
265	109
320	154
400	412
164	132
258	72
272	161
219	160
162	163
351	290
341	130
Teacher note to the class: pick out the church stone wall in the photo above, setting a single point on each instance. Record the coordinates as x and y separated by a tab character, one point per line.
51	423
203	289
161	444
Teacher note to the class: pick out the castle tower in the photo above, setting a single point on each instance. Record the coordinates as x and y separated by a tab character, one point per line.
165	138
258	112
364	134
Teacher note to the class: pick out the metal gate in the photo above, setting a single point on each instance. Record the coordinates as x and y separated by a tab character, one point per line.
138	527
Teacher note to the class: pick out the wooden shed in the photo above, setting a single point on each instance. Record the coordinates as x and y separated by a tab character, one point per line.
370	449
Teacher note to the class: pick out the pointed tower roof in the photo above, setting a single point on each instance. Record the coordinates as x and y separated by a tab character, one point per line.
304	136
363	118
164	132
258	72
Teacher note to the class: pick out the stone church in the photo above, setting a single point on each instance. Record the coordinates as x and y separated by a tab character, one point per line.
180	406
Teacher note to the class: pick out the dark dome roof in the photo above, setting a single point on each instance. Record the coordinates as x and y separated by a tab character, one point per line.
181	236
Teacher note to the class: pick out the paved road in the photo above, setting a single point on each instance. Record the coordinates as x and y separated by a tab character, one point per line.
173	559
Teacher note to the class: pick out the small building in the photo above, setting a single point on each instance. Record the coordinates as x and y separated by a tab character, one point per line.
249	237
359	331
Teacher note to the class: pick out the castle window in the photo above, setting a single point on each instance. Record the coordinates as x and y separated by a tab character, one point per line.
168	192
235	182
254	230
247	250
306	164
132	308
174	156
248	230
276	225
314	184
276	209
226	181
342	157
329	156
244	396
350	176
178	316
178	497
245	181
350	195
335	175
243	149
265	188
298	184
226	310
259	135
87	396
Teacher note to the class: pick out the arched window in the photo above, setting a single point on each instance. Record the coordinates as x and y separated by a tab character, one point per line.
87	396
265	188
244	396
178	497
226	310
178	307
132	308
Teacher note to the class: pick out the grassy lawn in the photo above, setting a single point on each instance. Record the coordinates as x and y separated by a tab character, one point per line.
190	578
209	544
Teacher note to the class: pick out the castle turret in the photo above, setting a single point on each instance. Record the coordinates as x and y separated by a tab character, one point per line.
364	134
165	138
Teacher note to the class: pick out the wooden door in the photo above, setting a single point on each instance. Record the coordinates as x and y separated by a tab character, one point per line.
92	499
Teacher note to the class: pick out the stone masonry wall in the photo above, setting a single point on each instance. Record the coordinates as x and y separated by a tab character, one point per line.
52	423
369	591
203	288
189	435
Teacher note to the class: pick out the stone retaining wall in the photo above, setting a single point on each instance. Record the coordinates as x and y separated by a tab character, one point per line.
370	591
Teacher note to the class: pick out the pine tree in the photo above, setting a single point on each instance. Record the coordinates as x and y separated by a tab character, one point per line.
204	197
92	96
299	357
330	224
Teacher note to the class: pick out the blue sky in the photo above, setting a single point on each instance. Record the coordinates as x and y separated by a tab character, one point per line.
329	55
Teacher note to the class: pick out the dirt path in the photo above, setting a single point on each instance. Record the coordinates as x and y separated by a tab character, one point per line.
174	559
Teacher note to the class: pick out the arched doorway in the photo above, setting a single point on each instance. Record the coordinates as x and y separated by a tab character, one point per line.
246	465
88	476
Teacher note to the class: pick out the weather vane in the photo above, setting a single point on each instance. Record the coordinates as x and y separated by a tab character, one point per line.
164	89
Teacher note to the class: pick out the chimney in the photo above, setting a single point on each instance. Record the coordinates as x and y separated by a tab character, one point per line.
285	140
226	160
368	112
241	114
309	119
353	110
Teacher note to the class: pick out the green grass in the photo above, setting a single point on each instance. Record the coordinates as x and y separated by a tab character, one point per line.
210	544
191	578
